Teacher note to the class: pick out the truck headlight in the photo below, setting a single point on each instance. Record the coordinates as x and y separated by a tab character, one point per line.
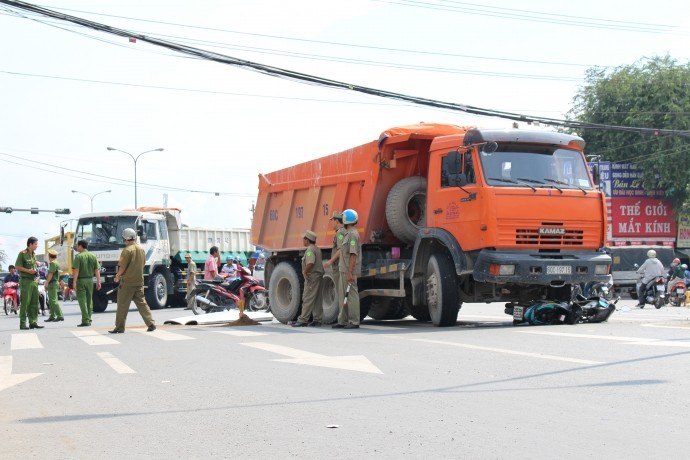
601	270
501	270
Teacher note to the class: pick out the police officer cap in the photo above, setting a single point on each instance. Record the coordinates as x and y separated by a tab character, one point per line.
188	256
311	236
52	252
337	215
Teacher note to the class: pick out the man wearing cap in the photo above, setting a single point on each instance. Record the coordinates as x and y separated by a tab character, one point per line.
130	275
84	268
191	277
52	281
338	238
312	270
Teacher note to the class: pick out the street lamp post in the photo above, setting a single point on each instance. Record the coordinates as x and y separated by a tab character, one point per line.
135	158
91	197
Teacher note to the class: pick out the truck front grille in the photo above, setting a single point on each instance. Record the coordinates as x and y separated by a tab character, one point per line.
533	237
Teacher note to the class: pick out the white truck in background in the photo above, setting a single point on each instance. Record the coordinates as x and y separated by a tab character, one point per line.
165	241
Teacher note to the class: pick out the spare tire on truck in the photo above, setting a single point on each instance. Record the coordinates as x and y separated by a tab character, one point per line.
285	292
406	208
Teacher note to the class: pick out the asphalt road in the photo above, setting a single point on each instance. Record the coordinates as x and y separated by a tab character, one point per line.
392	389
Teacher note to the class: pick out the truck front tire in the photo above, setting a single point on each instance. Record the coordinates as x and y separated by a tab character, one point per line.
406	208
285	292
442	290
157	292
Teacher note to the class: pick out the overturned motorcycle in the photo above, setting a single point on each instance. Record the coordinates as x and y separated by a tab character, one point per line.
580	310
220	295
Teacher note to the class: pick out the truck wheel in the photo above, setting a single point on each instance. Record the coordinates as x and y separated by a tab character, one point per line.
157	292
420	313
285	292
406	208
329	299
442	291
100	301
388	308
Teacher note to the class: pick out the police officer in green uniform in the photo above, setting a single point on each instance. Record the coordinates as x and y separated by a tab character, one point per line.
350	267
52	281
130	275
84	268
312	270
28	285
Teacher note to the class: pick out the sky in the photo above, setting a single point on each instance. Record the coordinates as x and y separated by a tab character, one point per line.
67	93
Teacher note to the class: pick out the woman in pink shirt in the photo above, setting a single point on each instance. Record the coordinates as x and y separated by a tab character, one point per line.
211	265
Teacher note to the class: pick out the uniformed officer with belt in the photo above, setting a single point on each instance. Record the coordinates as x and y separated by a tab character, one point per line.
52	281
28	285
84	268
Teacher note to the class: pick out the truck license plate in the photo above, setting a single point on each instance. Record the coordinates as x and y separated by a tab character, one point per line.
518	313
558	270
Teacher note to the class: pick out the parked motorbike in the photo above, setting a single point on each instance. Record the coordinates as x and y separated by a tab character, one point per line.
602	289
42	296
220	295
10	298
655	292
677	295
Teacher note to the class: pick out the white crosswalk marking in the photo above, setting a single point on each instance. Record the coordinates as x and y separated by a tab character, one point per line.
25	341
117	365
92	337
241	333
162	335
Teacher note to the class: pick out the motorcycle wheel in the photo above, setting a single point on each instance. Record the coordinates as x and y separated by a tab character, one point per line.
258	302
200	308
658	302
5	302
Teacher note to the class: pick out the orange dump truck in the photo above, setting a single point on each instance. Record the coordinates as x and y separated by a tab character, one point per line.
447	215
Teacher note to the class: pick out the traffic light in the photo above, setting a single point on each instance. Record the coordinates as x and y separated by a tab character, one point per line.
62	211
5	209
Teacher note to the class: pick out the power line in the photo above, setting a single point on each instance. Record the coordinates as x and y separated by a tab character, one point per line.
109	180
319	81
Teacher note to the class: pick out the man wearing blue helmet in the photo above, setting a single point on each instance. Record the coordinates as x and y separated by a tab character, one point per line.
350	266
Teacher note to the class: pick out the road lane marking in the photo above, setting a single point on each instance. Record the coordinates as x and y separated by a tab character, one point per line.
117	365
666	327
162	335
357	363
25	341
629	340
241	333
94	338
7	378
511	352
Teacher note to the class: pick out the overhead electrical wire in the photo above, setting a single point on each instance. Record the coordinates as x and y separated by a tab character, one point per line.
319	81
109	180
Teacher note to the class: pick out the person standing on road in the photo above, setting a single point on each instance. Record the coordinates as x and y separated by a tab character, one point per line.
650	269
52	281
312	270
338	238
350	268
191	277
130	275
84	268
28	285
211	265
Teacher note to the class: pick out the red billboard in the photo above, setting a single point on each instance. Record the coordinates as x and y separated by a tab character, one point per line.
642	217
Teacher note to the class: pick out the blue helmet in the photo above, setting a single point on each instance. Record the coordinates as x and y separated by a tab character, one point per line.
350	216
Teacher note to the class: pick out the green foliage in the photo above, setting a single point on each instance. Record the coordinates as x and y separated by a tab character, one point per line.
652	93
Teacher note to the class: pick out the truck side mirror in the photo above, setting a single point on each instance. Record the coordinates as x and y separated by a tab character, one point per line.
141	233
489	148
595	173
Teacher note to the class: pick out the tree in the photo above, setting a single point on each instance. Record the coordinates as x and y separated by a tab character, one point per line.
652	93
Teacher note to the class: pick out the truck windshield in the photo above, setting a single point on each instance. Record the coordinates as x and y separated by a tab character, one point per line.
104	232
535	166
